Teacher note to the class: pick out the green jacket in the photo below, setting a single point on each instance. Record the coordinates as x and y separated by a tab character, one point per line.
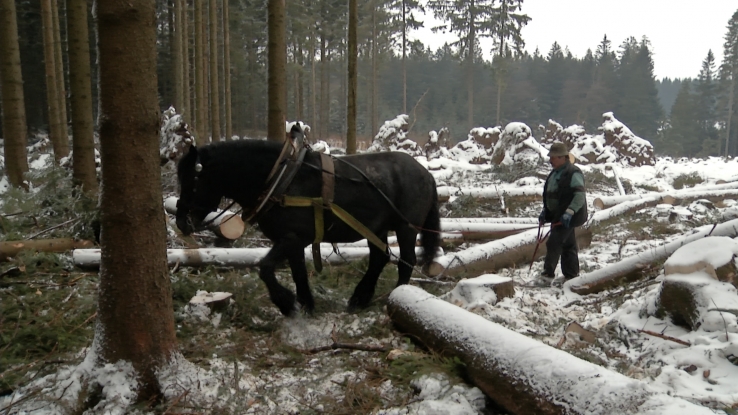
564	192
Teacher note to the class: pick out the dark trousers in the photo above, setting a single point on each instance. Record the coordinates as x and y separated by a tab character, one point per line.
562	243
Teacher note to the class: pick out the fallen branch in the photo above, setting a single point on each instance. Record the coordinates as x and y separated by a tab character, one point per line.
348	346
52	228
10	249
665	337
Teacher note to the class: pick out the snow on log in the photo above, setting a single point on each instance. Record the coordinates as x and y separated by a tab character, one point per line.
632	267
692	293
604	202
491	192
234	257
519	373
629	206
10	249
498	254
228	225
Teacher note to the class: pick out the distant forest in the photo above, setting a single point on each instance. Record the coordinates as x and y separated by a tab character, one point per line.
681	117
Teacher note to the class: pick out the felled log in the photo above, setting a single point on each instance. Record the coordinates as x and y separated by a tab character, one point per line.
632	267
502	253
614	169
228	225
629	206
10	249
234	257
482	231
698	277
519	373
690	193
533	221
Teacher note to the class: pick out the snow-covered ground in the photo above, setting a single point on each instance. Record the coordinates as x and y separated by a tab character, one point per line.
702	373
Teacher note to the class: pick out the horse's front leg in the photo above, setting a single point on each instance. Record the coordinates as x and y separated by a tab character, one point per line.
296	257
406	237
365	289
280	296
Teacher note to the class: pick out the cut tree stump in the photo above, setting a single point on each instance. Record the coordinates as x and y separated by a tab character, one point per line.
698	300
228	225
521	374
215	301
633	267
471	293
9	249
502	253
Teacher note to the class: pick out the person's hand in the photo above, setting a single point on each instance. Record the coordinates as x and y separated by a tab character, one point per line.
566	219
542	217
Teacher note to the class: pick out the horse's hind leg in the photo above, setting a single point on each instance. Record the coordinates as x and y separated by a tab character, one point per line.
296	257
365	289
281	296
406	237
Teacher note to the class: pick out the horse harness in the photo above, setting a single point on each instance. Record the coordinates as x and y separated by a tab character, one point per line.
290	160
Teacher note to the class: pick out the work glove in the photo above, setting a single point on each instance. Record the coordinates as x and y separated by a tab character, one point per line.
566	219
542	217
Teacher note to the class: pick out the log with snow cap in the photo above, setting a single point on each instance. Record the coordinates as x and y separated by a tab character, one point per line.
521	374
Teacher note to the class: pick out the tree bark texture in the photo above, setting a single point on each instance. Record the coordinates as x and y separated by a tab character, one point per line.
177	56
214	84
52	96
352	78
277	72
61	87
186	81
11	86
80	89
521	374
227	72
135	318
200	100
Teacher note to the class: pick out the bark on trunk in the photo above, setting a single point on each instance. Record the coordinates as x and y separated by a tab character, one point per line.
200	104
352	79
633	267
135	319
227	73
80	88
52	95
519	373
502	253
61	87
214	84
9	249
11	87
276	73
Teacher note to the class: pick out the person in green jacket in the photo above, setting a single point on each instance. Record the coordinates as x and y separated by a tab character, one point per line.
565	207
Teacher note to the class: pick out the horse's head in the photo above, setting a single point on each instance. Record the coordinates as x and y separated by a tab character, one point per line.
198	194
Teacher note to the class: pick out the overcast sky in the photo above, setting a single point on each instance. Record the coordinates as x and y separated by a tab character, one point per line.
680	32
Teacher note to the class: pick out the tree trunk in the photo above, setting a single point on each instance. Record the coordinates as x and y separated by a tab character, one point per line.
214	84
200	99
470	66
634	266
61	87
83	142
730	112
10	249
52	96
374	112
186	92
313	90
135	319
325	79
227	72
177	56
277	51
522	374
11	87
352	79
604	202
404	56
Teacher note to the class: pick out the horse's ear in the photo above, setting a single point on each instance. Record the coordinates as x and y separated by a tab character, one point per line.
192	149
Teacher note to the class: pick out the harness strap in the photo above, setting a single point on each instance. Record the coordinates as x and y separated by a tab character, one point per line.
360	228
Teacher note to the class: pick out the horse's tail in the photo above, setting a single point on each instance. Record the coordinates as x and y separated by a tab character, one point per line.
431	232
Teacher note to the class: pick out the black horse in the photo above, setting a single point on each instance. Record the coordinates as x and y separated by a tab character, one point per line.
384	191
